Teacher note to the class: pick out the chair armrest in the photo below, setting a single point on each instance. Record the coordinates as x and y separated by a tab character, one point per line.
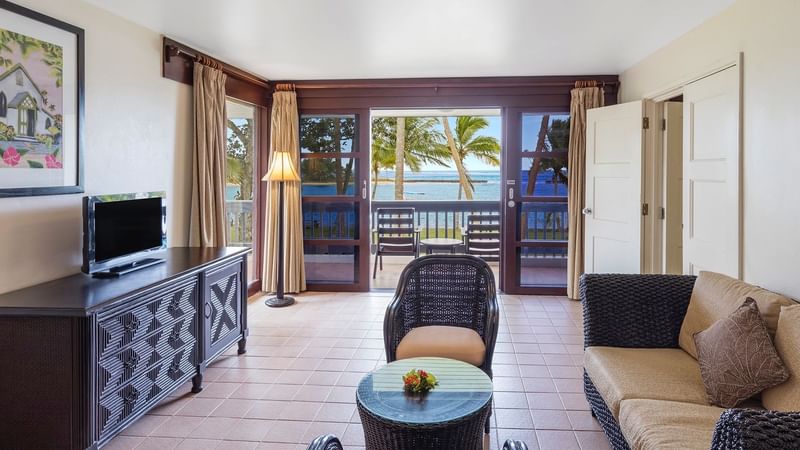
392	326
639	311
750	429
326	442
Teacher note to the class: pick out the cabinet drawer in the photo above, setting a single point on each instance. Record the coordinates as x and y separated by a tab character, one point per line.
135	324
138	358
119	408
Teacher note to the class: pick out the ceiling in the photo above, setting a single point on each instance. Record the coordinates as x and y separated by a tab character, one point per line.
327	39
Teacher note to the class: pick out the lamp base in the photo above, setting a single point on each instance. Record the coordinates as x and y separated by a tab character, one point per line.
275	302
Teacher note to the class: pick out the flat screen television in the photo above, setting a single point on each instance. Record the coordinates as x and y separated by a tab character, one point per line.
122	231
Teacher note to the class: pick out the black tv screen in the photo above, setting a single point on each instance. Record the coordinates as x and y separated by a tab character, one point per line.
125	227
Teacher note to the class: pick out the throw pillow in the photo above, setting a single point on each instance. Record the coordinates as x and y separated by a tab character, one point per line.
737	358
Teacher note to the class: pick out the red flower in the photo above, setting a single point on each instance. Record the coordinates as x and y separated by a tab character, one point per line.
11	156
423	374
51	162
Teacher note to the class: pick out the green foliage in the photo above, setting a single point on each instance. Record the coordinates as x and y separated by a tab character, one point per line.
469	143
334	135
6	132
35	165
239	158
52	55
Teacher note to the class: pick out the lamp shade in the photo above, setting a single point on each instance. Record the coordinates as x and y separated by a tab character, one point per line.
281	168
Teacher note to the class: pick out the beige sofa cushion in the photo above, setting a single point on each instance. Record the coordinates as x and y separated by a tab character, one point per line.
645	373
458	343
662	425
716	296
786	396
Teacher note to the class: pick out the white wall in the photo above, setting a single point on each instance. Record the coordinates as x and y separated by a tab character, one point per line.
138	138
766	31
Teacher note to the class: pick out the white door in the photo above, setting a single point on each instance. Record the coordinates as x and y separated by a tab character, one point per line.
613	214
711	200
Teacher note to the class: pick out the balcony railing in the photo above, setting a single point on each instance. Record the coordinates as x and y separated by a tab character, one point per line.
239	215
540	221
439	219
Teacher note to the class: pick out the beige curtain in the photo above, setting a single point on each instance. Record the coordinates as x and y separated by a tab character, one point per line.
207	222
586	95
284	138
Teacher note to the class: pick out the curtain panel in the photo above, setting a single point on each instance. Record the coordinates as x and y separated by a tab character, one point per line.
284	137
583	98
207	221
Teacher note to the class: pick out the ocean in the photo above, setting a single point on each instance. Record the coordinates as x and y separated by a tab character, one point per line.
443	185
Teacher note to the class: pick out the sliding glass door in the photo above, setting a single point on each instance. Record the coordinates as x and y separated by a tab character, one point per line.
334	170
536	218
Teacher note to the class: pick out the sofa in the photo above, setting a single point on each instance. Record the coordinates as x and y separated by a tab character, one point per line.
642	381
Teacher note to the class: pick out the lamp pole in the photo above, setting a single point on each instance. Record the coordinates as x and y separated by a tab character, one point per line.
282	170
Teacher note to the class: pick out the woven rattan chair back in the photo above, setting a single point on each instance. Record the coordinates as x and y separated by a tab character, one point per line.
452	290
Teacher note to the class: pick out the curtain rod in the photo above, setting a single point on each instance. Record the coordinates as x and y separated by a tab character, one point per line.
443	84
173	48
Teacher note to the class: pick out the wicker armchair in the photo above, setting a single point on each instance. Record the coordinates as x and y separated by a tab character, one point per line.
331	442
646	311
453	290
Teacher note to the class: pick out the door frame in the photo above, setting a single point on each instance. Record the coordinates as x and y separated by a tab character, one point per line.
361	277
654	192
511	243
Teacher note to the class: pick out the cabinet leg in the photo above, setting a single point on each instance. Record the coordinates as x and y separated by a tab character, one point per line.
242	347
197	383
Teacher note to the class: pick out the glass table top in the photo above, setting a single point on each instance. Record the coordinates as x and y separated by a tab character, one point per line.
463	389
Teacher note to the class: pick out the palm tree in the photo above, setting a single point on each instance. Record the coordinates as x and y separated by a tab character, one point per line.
465	141
417	144
552	136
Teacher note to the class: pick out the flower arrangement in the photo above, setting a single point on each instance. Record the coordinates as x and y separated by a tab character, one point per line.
419	381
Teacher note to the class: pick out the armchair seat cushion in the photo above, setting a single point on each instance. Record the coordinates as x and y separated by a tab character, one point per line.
660	424
644	373
458	343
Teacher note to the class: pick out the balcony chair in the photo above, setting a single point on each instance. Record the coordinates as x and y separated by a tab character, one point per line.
395	234
445	306
331	442
482	236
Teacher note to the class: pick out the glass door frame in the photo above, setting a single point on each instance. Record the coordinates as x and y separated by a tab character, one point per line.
513	245
360	200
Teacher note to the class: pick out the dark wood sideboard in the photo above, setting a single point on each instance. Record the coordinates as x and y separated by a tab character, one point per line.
81	358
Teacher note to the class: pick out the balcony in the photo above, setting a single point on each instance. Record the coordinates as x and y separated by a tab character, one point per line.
546	224
239	216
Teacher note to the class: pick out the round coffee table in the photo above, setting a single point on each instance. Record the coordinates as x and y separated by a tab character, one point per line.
452	416
432	244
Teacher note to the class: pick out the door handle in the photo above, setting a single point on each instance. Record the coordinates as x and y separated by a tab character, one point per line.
207	310
364	190
511	193
587	211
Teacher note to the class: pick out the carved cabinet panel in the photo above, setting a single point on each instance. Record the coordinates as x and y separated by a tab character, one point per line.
223	307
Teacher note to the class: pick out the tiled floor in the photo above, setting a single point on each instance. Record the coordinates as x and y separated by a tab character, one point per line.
298	379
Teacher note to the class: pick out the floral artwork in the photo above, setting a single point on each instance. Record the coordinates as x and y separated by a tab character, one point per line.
31	105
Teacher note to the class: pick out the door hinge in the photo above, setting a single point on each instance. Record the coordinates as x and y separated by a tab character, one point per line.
663	213
645	209
663	124
645	123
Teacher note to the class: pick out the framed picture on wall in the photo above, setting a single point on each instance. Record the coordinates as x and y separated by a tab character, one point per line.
41	104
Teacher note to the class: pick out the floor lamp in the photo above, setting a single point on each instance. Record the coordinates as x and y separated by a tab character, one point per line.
281	170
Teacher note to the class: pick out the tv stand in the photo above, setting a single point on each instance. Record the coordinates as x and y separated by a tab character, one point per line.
83	358
118	271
